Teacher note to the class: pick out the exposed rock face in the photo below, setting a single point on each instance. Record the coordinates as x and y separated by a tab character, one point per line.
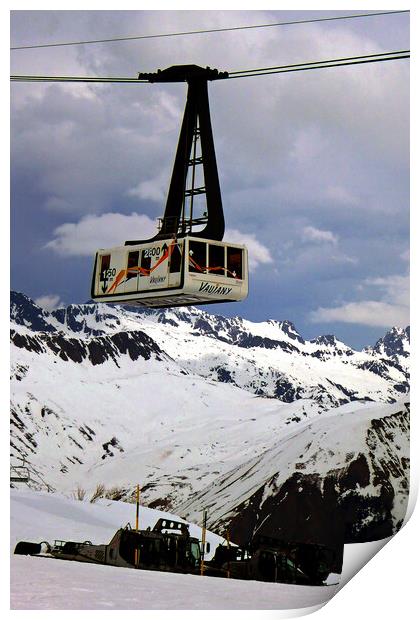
96	350
341	477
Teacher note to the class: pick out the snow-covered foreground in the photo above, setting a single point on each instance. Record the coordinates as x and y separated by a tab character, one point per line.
43	583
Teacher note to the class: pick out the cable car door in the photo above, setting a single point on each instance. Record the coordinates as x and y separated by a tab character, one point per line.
131	284
176	264
160	266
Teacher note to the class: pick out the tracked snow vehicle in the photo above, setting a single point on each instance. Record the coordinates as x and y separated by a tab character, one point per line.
169	547
274	560
166	547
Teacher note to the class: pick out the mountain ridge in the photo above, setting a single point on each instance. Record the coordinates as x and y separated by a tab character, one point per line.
269	359
24	310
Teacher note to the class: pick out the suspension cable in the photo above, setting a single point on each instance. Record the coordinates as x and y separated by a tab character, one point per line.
321	64
211	30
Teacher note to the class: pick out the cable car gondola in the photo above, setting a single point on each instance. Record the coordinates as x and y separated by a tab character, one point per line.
181	265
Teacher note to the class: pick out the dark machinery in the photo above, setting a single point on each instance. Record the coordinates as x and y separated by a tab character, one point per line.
166	547
270	559
169	547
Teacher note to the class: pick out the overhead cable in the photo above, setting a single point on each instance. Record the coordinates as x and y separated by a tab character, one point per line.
322	64
210	30
70	78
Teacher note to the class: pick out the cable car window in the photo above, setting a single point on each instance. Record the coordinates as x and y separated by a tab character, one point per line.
105	262
132	261
234	263
175	265
146	262
217	259
197	258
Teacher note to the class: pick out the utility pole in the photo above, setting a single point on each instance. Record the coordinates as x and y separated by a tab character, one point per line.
228	546
137	550
203	541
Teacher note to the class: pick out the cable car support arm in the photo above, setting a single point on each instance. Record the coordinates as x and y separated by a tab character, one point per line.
196	125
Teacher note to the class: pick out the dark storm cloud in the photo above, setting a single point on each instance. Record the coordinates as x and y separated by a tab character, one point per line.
323	151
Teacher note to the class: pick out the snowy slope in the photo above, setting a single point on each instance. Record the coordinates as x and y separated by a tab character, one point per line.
53	584
178	400
143	420
342	475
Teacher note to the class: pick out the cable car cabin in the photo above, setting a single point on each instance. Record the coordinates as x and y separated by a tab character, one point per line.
171	272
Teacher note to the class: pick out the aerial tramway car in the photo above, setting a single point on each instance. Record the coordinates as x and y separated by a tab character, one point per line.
181	265
175	272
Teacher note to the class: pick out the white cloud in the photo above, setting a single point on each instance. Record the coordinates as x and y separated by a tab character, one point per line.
100	231
371	313
316	235
257	253
48	302
391	310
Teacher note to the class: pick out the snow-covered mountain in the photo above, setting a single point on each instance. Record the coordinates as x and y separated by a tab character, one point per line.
180	400
268	359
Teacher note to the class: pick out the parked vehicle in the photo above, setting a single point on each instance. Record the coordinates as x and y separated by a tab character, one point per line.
169	547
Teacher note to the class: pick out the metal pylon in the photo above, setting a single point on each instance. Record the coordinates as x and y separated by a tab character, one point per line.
196	126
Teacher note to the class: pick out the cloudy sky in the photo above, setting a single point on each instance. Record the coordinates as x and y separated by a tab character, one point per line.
313	166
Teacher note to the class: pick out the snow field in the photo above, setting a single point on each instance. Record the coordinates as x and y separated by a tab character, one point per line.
44	583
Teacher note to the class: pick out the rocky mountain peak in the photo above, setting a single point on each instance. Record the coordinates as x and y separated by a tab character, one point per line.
329	340
24	311
290	330
396	342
